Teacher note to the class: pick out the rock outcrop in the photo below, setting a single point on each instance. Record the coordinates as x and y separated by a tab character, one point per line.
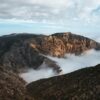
21	51
76	43
83	84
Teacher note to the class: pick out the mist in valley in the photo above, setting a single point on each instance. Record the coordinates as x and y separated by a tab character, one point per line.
68	64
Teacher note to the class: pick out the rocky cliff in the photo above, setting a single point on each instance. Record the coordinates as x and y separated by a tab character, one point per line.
83	84
21	51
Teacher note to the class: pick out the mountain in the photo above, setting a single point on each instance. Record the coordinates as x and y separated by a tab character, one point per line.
18	52
83	84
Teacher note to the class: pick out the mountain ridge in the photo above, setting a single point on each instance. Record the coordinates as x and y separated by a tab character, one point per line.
21	51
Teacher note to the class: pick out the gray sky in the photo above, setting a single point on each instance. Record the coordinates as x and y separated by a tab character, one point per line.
65	13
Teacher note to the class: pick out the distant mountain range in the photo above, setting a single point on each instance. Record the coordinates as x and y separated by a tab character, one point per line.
19	52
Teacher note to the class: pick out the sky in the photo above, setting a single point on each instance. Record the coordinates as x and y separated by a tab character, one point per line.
49	16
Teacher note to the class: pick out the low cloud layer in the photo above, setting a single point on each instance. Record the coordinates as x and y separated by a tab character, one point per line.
68	64
33	75
71	62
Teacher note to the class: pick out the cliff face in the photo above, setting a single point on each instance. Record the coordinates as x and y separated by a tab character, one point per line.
76	43
19	52
60	43
83	84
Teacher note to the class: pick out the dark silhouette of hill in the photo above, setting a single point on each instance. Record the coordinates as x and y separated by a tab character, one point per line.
12	87
83	84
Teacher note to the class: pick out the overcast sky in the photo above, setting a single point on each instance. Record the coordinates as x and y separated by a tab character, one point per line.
41	16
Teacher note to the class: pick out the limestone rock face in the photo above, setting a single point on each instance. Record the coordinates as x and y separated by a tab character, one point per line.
21	51
83	84
52	45
76	43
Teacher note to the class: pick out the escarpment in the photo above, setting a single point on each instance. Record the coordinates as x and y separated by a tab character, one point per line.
76	43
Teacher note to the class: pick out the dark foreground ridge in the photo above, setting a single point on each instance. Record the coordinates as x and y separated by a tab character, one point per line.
83	84
12	87
18	52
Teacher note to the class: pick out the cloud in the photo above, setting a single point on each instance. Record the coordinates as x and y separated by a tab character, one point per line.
71	62
68	64
31	9
52	10
72	15
33	75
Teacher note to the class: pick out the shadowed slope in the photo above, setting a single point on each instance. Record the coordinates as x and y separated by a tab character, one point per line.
83	84
12	87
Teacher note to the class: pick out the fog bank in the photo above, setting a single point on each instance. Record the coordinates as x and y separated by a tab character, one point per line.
68	64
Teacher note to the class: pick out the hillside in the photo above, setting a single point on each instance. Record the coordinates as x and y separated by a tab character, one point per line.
12	87
83	84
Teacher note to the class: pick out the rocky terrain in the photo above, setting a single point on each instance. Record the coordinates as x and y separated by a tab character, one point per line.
18	52
83	84
12	87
